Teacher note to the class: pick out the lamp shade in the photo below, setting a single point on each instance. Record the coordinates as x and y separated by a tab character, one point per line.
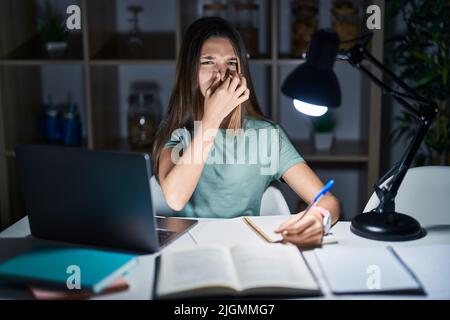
314	82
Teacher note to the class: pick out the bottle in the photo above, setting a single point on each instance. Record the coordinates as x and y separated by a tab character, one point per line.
51	125
345	22
144	114
304	25
71	125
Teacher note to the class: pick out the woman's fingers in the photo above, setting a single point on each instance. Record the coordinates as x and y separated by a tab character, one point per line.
232	91
287	223
240	90
235	80
305	236
305	233
242	86
308	231
213	84
244	97
243	81
312	239
291	221
226	83
300	226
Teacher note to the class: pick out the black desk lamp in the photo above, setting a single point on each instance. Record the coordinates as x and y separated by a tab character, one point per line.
314	87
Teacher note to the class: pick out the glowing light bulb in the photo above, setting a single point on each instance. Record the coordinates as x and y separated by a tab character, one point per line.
310	109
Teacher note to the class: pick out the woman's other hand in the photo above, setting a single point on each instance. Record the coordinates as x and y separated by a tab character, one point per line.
306	232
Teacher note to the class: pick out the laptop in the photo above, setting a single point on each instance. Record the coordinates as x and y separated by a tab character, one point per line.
99	198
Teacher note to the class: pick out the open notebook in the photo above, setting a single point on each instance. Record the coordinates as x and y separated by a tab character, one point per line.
238	231
264	226
207	271
350	270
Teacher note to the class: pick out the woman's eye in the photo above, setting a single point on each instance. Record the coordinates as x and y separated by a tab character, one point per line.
232	63
206	62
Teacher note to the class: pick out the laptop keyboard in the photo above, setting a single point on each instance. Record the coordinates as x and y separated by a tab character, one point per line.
164	235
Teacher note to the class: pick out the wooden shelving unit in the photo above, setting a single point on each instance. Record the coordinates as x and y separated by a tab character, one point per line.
99	51
347	152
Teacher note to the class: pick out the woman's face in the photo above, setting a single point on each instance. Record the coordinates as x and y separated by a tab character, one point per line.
217	56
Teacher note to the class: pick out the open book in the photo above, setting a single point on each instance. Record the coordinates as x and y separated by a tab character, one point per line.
206	271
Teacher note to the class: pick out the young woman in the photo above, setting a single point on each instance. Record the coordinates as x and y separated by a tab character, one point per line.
205	150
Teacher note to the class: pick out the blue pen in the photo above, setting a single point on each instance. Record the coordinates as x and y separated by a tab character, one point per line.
316	198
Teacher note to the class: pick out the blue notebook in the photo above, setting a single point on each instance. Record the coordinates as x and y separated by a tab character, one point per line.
55	267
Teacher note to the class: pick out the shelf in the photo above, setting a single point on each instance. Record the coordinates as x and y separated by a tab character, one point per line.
118	62
123	145
116	48
129	61
291	61
16	62
265	61
296	29
342	152
191	10
106	69
34	50
12	153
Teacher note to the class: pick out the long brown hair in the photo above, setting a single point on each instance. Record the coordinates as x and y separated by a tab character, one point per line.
186	101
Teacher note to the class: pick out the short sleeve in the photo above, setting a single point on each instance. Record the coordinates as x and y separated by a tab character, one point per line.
178	136
288	155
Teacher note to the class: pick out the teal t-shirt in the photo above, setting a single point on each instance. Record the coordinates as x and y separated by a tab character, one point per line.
239	168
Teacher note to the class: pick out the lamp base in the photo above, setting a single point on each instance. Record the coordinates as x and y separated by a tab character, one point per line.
390	226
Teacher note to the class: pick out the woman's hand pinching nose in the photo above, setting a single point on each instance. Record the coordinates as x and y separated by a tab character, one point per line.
222	98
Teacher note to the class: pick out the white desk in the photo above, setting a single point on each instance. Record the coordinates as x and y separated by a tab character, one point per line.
17	238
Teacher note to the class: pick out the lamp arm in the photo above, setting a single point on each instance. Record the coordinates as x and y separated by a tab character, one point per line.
424	115
387	194
411	93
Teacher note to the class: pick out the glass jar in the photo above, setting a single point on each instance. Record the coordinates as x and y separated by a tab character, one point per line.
135	37
345	22
304	25
144	114
215	9
247	22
